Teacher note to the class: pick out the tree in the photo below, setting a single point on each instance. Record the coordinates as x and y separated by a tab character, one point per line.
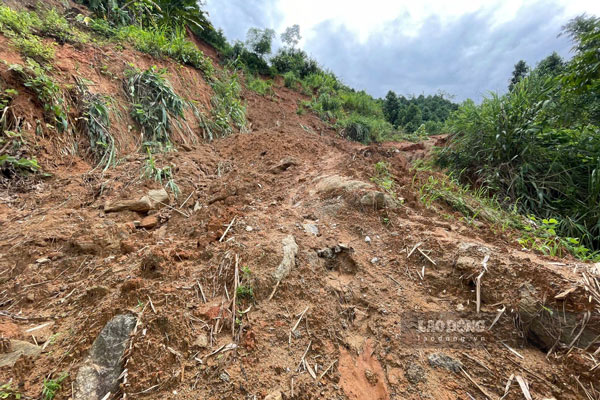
551	65
181	13
413	118
390	107
520	72
259	40
291	36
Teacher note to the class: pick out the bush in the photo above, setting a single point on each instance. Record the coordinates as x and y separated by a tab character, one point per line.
290	80
515	145
296	61
49	95
153	103
32	47
258	85
364	129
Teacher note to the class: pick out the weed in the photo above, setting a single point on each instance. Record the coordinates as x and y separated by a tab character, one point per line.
52	386
32	47
259	85
160	175
290	80
49	95
382	177
244	292
97	124
154	102
7	392
227	108
541	235
17	23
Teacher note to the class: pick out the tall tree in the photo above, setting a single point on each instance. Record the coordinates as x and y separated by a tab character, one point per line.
520	72
260	40
390	107
291	36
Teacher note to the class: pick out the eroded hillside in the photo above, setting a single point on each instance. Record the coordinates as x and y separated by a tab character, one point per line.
289	264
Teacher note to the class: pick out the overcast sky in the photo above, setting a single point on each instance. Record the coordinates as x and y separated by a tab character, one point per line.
465	48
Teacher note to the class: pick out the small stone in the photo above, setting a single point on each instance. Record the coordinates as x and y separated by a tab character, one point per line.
43	260
150	222
371	377
374	260
367	239
441	360
276	395
415	374
224	377
201	341
460	307
311	228
30	297
249	228
16	349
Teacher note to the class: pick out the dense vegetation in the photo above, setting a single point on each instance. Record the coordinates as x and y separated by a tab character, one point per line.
538	146
409	114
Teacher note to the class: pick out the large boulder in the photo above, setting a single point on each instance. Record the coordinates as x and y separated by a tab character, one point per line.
100	372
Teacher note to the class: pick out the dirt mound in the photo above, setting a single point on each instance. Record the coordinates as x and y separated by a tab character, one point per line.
197	271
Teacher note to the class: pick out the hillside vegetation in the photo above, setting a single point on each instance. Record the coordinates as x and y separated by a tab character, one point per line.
538	146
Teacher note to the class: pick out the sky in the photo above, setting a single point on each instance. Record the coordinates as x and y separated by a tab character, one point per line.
463	48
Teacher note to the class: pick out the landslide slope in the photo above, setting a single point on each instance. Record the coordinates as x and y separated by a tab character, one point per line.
198	271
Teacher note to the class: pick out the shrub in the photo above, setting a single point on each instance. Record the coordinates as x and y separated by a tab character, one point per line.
17	23
258	85
290	80
32	47
227	108
49	95
154	102
296	61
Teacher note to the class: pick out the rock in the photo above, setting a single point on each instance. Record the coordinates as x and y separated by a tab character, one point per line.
544	325
158	196
146	203
415	373
441	360
290	249
367	239
283	165
372	378
150	222
16	349
311	228
30	297
142	205
224	377
377	200
43	260
201	341
249	228
374	260
100	372
276	395
334	183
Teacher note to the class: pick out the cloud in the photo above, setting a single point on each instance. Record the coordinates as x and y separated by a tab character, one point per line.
237	16
465	55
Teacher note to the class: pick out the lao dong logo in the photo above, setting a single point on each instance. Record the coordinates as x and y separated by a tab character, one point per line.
434	329
451	326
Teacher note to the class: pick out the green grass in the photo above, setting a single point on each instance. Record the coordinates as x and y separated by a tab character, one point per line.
33	47
259	85
52	386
